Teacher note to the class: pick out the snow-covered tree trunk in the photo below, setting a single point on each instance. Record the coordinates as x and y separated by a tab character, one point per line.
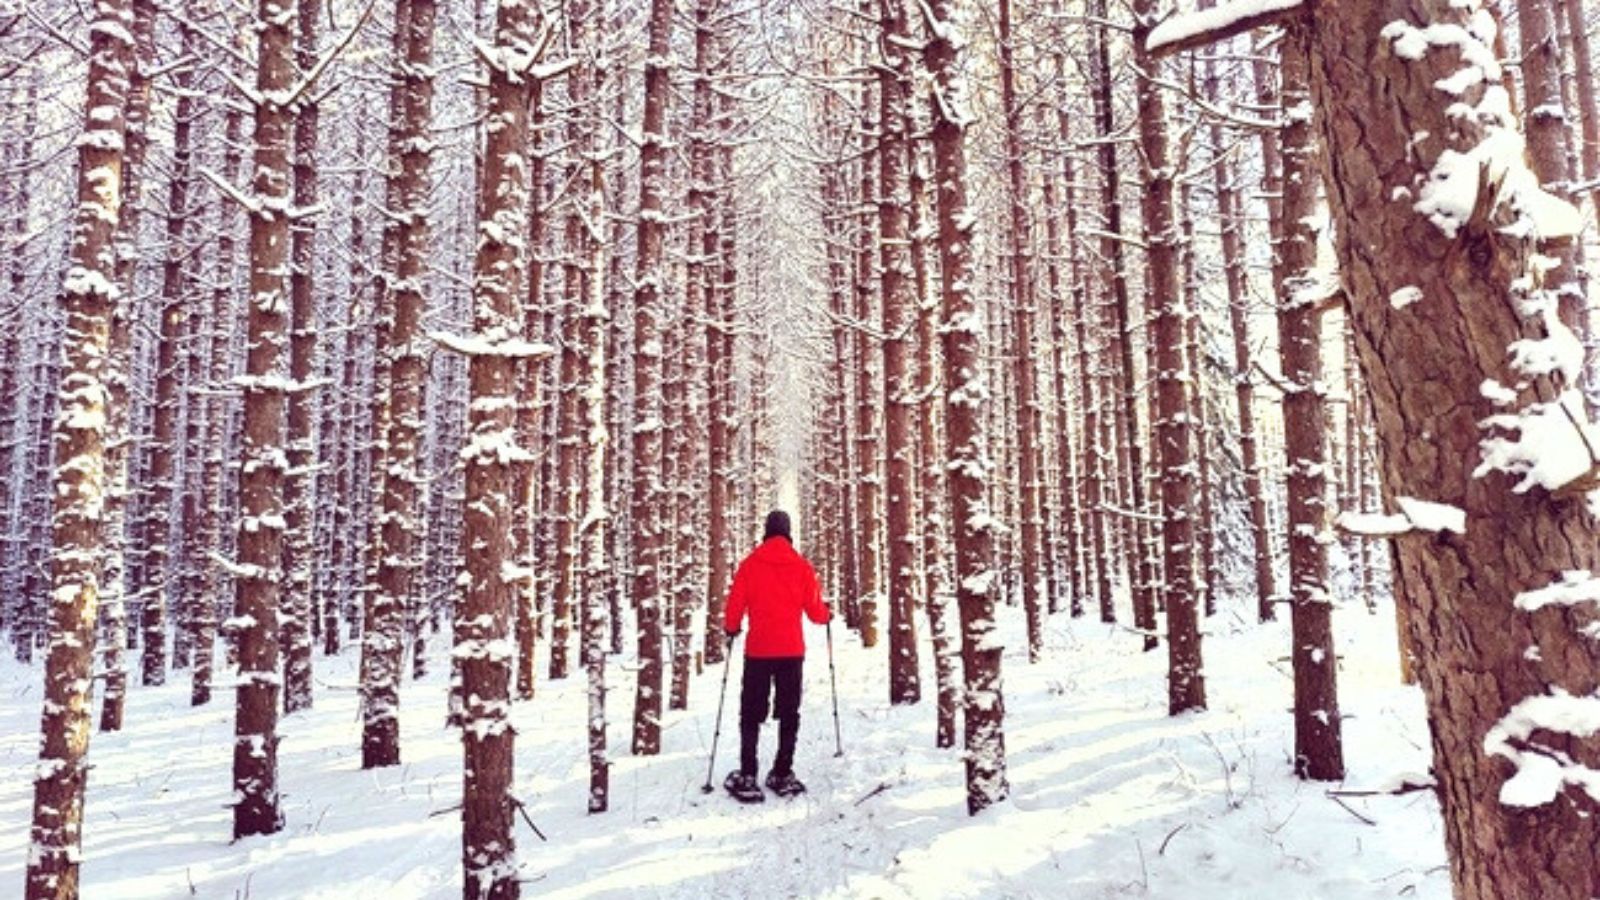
79	480
400	522
1185	676
966	397
1436	216
528	499
493	459
649	498
587	245
931	493
299	560
1025	400
114	562
1318	751
702	245
865	287
899	311
206	611
258	569
1118	330
173	315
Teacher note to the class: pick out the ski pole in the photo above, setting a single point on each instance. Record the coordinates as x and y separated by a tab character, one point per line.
833	687
727	666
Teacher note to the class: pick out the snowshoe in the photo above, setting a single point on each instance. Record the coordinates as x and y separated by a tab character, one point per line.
743	788
785	785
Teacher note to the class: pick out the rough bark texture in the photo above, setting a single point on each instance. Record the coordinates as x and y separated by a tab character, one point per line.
79	479
894	81
299	559
649	500
399	520
1186	687
1124	416
1025	401
1375	87
966	441
488	809
1318	752
258	570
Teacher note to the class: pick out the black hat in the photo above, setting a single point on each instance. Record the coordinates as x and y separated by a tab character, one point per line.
777	525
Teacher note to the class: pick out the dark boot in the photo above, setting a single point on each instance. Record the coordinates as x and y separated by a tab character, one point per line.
743	788
784	784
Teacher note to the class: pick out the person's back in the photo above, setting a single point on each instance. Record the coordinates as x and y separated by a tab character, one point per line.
774	586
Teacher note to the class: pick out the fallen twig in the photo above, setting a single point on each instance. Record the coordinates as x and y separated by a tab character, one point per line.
1349	810
1170	835
882	786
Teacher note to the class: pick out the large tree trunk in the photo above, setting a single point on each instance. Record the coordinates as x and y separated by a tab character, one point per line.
258	571
966	441
493	459
78	482
1509	675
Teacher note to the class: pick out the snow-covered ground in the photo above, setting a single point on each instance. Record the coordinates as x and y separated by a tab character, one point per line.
1110	797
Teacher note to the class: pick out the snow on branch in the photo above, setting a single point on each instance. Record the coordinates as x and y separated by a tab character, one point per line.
1192	30
481	345
1414	516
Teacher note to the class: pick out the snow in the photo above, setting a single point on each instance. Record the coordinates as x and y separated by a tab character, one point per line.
1218	18
1405	296
1542	772
1425	515
1110	797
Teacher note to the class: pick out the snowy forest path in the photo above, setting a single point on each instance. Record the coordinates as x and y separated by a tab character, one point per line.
1110	796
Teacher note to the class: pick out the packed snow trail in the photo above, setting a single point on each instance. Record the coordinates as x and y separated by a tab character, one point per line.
1109	796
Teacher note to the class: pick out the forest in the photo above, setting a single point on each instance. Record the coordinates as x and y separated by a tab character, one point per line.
1184	408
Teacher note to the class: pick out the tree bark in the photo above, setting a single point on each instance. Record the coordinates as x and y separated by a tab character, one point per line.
299	560
493	460
1318	752
1513	826
649	500
258	570
966	443
79	480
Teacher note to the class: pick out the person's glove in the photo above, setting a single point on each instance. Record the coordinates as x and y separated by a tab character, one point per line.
733	635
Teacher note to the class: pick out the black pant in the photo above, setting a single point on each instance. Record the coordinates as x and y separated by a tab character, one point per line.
760	677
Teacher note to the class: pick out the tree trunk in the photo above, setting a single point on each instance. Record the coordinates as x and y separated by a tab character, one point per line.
1318	752
493	459
648	500
258	569
399	524
299	560
894	81
1025	400
78	483
1512	729
966	442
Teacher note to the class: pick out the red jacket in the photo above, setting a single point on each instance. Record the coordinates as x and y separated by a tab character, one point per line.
775	584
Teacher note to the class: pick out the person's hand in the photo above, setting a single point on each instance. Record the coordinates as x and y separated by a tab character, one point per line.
733	635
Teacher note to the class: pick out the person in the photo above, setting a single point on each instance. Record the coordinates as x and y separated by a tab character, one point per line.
774	585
